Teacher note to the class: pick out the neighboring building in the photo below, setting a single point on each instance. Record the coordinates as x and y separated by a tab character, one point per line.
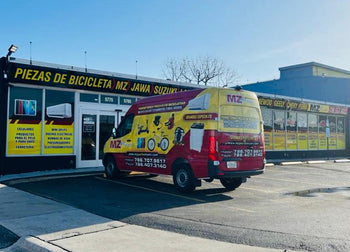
305	112
57	117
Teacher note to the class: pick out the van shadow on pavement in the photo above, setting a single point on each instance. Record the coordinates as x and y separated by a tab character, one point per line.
118	199
7	238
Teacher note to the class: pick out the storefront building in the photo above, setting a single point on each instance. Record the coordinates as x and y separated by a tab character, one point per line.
305	112
296	129
58	117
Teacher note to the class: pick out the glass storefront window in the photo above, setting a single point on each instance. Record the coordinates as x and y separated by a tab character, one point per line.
279	130
302	130
268	127
107	123
24	121
313	131
291	130
89	98
340	133
322	121
332	141
59	122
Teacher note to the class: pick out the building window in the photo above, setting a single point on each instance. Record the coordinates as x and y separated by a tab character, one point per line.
332	138
268	127
291	130
313	132
59	122
340	133
322	121
302	130
89	98
24	121
279	130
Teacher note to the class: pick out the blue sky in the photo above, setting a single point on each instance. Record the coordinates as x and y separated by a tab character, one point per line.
254	37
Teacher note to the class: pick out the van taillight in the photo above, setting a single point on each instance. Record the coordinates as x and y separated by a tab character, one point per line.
213	154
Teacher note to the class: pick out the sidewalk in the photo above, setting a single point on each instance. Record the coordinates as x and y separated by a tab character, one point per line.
46	225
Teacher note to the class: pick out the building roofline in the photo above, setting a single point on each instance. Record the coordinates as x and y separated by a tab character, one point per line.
300	99
313	63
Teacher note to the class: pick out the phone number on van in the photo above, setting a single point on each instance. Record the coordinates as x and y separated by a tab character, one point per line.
150	162
247	153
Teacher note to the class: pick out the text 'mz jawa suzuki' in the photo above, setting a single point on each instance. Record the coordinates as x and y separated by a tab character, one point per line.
212	133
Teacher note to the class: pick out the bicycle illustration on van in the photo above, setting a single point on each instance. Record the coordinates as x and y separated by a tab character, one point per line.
159	140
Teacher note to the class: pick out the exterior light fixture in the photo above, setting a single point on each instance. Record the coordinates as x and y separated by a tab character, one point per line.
11	50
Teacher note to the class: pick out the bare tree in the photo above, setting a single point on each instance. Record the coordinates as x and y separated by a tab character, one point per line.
201	70
229	77
173	70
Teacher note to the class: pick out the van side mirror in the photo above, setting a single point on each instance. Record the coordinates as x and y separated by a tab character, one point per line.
114	133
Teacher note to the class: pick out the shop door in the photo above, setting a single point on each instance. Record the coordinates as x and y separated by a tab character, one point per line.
96	128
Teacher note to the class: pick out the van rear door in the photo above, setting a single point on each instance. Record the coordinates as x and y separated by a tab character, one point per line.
240	132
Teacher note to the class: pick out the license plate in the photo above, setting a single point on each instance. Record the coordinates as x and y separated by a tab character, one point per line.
232	164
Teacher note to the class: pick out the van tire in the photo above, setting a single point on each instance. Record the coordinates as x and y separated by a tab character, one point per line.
231	183
184	180
111	169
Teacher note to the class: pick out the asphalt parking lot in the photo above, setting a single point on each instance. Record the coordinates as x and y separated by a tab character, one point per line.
300	207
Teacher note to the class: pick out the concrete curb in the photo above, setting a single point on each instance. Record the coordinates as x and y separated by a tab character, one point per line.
291	163
342	161
34	244
52	173
316	162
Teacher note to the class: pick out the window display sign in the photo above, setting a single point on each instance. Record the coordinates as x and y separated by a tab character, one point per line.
302	131
340	133
291	130
59	122
332	136
294	125
268	125
313	132
24	137
25	107
58	138
24	129
279	130
322	132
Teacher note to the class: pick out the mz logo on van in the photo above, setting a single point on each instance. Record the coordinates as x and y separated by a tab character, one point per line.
115	144
234	98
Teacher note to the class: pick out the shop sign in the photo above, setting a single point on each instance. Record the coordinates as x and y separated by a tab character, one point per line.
302	106
24	137
318	108
45	76
338	110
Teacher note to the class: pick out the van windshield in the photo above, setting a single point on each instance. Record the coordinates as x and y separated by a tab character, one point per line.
239	119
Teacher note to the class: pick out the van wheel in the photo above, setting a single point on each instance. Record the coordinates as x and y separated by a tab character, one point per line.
231	183
111	169
184	180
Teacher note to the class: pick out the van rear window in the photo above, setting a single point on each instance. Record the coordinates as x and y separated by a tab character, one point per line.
240	119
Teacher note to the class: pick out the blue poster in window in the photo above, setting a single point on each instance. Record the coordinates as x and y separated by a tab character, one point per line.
25	107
